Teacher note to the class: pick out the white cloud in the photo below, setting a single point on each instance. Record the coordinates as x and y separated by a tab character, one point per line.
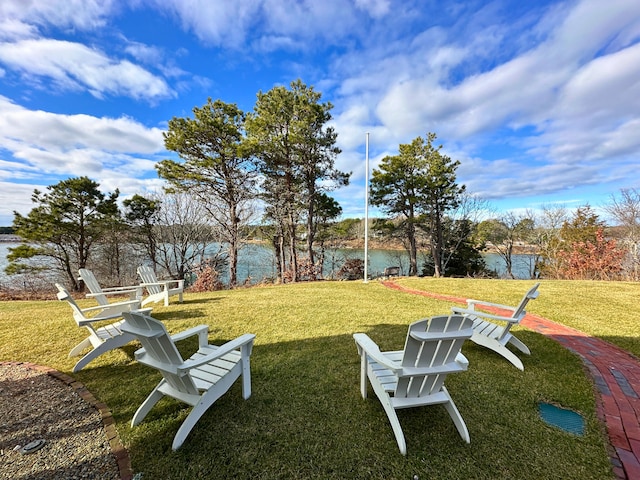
375	8
271	24
75	66
214	22
71	145
11	29
80	14
553	85
115	152
15	197
605	87
568	99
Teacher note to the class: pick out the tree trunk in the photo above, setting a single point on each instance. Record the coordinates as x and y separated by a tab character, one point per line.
310	239
436	244
413	249
293	256
233	248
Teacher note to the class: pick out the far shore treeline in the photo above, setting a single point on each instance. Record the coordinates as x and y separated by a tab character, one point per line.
267	175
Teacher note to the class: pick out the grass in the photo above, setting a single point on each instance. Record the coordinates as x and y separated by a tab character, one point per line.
602	309
306	418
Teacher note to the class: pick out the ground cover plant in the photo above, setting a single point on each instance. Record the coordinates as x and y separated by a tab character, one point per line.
306	418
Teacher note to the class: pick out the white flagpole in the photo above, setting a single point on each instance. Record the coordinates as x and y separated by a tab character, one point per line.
366	212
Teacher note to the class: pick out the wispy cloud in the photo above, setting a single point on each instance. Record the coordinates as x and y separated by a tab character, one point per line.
534	98
570	102
65	14
48	144
77	67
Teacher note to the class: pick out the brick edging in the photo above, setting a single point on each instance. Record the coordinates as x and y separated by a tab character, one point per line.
117	449
624	453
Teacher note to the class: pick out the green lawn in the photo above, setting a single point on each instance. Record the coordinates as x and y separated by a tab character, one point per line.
306	418
602	309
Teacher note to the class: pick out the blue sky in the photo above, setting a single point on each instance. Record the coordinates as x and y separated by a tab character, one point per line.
538	100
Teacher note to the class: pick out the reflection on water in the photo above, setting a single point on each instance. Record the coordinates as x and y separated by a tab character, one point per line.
256	262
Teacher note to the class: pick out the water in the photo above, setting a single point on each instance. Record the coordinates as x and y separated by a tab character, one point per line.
257	262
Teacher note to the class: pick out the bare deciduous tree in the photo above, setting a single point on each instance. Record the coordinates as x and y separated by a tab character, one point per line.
625	209
183	236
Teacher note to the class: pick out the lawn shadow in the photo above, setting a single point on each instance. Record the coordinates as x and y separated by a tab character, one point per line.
306	418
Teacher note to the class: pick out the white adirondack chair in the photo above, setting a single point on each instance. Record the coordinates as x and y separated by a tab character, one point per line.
199	381
415	376
497	336
159	290
104	338
101	294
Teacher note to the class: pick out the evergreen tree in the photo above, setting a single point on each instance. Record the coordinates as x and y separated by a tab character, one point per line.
64	226
418	185
288	134
216	169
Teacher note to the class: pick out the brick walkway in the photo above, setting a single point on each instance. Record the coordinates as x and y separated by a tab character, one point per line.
616	374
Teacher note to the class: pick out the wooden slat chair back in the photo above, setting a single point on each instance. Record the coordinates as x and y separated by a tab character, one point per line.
159	290
415	376
198	381
496	336
100	293
101	338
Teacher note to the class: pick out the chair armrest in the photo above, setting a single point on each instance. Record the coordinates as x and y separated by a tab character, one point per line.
111	305
201	330
471	304
115	291
368	347
479	313
422	336
109	312
163	283
451	367
244	341
130	288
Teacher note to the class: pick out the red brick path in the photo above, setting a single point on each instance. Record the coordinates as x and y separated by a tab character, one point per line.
616	374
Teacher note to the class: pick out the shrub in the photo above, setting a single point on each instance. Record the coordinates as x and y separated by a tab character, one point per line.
207	278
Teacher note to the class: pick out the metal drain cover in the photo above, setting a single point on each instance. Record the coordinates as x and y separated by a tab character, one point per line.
563	418
32	446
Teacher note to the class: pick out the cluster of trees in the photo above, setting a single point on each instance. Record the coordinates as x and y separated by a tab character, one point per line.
571	245
282	154
74	225
279	160
418	191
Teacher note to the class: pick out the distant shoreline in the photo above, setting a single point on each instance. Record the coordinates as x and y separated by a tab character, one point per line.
7	238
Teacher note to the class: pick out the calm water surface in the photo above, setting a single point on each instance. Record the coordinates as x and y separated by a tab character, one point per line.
257	262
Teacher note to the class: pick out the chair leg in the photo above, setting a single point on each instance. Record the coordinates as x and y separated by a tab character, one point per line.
363	374
383	396
494	345
246	378
208	399
93	354
456	417
190	422
395	424
80	347
519	345
105	346
153	398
